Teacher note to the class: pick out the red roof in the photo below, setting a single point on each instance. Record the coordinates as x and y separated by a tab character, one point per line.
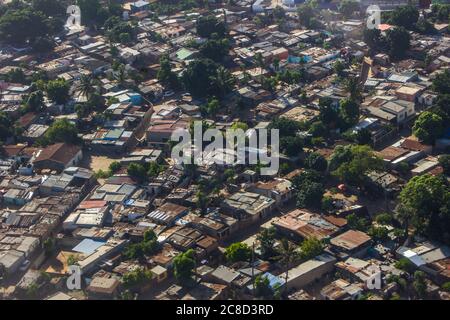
12	150
414	145
88	204
384	26
59	152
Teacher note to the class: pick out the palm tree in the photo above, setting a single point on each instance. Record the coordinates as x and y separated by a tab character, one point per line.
121	74
259	61
223	80
353	88
276	64
287	255
86	87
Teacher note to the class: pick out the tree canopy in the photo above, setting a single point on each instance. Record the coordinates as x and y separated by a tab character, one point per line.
184	265
405	16
352	163
238	251
61	130
348	7
203	77
58	90
208	26
424	203
310	248
428	127
398	40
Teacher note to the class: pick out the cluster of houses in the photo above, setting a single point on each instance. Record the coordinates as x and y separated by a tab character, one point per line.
56	212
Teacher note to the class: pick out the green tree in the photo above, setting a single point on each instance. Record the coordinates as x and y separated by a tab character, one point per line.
137	171
372	37
353	88
48	7
363	136
327	204
202	201
441	83
215	50
287	255
6	127
166	75
318	129
184	265
444	161
306	15
398	40
42	45
90	12
339	68
291	145
209	25
86	86
441	11
266	239
441	106
384	218
328	115
138	277
425	27
316	162
114	166
279	13
446	287
310	195
378	233
72	260
405	265
35	101
424	204
419	284
154	169
287	127
61	130
428	127
348	7
357	223
349	112
405	16
16	75
238	251
223	81
201	78
353	163
49	246
311	248
35	23
263	289
58	90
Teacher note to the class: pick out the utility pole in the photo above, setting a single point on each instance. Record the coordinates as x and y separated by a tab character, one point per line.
253	268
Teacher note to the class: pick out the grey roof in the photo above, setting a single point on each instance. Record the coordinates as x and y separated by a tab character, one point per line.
224	273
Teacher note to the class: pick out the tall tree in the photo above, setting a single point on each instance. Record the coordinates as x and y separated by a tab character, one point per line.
287	255
58	90
86	86
398	40
405	16
266	239
428	127
184	265
208	26
223	80
424	205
